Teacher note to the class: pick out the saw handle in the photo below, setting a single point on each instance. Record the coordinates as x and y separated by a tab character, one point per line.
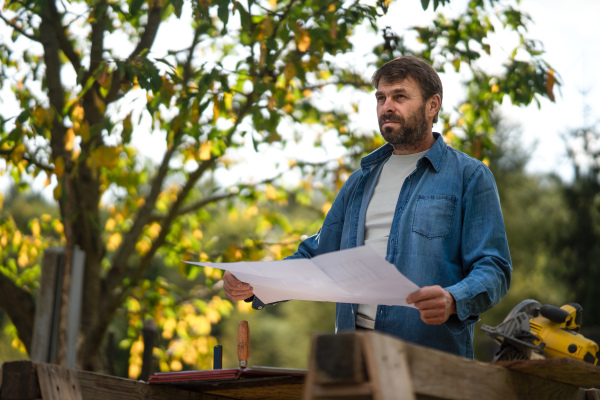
554	314
243	349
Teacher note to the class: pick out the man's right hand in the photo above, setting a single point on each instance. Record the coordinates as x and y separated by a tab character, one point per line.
235	289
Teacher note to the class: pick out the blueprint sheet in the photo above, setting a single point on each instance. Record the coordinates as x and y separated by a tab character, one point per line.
357	275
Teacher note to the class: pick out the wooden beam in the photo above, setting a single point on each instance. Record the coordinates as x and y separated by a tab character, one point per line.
22	380
19	381
441	375
58	382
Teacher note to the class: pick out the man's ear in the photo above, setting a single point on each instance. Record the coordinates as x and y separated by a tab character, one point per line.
434	104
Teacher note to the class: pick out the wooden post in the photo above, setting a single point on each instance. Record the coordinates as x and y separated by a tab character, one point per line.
149	336
56	324
352	365
43	339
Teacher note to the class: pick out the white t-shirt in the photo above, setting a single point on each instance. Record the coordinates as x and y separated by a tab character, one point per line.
380	214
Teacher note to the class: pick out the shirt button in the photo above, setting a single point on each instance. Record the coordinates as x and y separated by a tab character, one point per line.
259	307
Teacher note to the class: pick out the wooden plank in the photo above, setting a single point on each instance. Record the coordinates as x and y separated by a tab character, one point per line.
58	382
338	359
19	381
103	387
42	326
445	376
565	370
388	367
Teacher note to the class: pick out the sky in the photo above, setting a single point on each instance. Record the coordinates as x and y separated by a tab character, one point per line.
569	34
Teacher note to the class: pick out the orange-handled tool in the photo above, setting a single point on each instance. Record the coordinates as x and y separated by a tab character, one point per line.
243	349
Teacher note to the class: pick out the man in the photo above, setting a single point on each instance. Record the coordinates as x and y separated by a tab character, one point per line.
430	210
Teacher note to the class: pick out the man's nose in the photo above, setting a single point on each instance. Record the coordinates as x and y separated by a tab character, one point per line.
387	106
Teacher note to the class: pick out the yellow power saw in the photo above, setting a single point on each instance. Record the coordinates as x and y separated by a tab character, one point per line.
534	331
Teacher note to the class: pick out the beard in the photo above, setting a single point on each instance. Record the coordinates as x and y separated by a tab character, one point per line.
412	130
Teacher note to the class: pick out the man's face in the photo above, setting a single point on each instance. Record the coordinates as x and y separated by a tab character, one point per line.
401	112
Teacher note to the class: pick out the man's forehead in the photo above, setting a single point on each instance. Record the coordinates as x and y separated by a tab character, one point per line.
407	84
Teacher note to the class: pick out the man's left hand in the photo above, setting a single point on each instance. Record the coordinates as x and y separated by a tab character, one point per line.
435	304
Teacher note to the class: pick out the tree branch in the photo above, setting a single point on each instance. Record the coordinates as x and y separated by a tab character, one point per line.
145	43
63	42
20	30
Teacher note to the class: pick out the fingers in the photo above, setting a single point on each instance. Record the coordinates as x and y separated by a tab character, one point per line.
435	304
236	290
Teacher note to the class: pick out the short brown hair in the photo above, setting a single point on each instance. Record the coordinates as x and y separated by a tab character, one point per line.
400	68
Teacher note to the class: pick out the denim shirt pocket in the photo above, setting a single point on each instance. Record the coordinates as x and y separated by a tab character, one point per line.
434	216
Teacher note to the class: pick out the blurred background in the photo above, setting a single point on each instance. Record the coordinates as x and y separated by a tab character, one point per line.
145	133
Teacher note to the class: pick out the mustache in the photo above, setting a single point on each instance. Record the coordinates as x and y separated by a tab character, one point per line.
390	117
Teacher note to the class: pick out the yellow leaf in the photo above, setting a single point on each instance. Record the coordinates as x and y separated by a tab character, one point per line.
78	113
168	328
35	227
176	365
59	227
228	100
273	3
331	8
271	192
303	40
216	109
1	200
252	211
114	241
550	80
143	246
110	225
59	166
244	307
495	88
23	259
106	156
154	230
69	139
198	234
272	102
326	207
17	238
276	250
83	130
40	115
289	71
205	149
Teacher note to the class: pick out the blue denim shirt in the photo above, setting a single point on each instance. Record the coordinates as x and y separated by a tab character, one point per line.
447	230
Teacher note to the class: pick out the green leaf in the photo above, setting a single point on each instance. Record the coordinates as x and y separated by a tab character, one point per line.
178	5
425	4
223	12
135	6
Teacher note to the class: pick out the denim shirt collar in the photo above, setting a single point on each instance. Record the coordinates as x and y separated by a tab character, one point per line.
435	155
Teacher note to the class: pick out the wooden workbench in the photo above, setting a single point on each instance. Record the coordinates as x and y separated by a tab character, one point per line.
345	366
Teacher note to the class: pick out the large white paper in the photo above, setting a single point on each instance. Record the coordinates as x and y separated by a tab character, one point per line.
357	275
